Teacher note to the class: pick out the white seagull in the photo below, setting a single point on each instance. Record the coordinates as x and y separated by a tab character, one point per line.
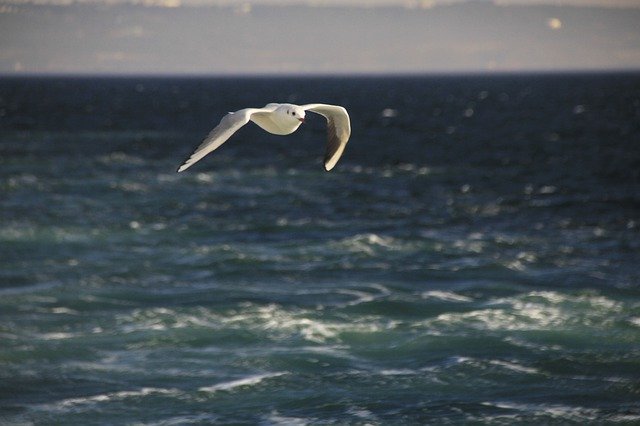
279	119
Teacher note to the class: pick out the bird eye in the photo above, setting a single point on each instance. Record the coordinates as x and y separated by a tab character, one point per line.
293	113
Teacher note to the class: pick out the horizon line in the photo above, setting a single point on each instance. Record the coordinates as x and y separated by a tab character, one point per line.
355	74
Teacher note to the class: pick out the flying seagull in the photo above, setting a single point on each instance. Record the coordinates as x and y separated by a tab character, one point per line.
279	119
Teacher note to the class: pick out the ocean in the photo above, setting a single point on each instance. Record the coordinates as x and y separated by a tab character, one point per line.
474	257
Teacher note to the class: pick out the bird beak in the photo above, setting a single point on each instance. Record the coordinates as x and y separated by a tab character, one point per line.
301	120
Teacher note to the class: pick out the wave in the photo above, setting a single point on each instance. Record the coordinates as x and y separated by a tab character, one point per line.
121	158
446	296
549	411
284	324
197	419
260	321
508	367
22	181
17	231
393	170
277	419
536	310
240	383
70	404
371	244
364	296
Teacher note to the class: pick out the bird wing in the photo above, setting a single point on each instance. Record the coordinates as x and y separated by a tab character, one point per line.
229	124
338	130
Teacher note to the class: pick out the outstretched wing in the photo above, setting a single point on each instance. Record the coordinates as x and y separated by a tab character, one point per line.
229	124
338	130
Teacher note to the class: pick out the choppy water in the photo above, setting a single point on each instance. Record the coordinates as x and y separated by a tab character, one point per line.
473	258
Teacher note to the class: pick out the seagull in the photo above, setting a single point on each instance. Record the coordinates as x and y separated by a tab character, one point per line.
279	119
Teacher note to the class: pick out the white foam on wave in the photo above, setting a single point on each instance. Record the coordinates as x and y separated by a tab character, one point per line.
57	336
469	245
362	296
484	319
624	418
398	372
239	383
335	351
555	411
161	319
119	157
634	321
280	323
185	420
208	177
359	296
371	243
390	171
277	419
64	310
511	365
514	366
119	361
24	180
315	331
270	321
557	298
71	403
446	296
18	232
531	345
362	413
130	186
537	310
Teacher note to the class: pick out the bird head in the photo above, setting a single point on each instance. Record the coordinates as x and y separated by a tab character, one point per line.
294	112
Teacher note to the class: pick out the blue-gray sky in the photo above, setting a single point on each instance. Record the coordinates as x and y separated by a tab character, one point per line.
316	36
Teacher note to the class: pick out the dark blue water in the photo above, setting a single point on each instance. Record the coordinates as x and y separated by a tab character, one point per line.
473	258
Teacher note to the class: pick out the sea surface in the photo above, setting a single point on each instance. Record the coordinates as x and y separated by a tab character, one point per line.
474	258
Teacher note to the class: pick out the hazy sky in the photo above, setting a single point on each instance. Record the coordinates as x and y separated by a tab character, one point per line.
295	37
366	3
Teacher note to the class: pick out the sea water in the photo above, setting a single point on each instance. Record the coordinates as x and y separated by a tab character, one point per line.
473	258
